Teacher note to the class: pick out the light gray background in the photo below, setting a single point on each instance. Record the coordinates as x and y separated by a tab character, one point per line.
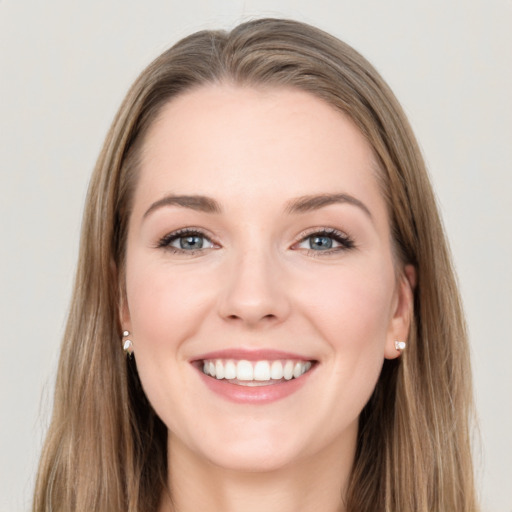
64	68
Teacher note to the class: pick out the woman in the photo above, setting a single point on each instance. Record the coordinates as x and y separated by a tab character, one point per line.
261	238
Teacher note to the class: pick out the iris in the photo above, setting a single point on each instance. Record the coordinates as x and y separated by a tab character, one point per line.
191	242
320	243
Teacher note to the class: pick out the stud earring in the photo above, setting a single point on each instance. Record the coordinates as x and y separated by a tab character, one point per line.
127	344
400	345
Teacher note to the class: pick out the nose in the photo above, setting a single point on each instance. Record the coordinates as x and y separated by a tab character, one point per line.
254	291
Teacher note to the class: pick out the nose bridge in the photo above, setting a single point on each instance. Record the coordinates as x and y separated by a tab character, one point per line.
254	290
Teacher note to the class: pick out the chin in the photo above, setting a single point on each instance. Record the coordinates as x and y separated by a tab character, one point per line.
252	460
246	449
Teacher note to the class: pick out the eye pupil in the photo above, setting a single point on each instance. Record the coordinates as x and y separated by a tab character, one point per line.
321	243
191	242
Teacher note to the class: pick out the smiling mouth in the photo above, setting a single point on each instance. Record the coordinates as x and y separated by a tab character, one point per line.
255	373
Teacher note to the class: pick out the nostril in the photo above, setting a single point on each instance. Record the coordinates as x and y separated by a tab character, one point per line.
268	317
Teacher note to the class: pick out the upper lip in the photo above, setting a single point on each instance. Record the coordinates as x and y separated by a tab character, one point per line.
251	355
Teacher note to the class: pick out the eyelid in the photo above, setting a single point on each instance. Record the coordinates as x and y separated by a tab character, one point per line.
165	241
343	239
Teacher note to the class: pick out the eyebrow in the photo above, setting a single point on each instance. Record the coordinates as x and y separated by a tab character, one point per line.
198	203
314	202
302	204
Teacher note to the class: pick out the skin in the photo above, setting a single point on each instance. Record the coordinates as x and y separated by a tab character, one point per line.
259	283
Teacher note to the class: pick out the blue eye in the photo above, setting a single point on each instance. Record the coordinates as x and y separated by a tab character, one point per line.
327	240
320	243
185	241
189	242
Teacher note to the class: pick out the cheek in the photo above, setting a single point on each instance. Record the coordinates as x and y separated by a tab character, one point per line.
353	307
352	315
165	309
164	305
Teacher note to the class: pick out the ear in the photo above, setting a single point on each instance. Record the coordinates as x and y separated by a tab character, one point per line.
403	311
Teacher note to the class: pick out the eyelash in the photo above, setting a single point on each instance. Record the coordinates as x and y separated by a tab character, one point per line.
166	241
346	243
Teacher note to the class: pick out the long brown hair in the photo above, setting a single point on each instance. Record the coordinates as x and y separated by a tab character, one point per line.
106	448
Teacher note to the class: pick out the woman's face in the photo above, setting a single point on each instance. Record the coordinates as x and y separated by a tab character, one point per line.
259	250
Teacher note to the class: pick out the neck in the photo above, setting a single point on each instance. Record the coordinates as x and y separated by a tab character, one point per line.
311	484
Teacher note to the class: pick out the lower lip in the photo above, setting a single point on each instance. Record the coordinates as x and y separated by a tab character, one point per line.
254	394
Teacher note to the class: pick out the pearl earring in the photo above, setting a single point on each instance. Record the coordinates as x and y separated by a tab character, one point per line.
127	345
400	345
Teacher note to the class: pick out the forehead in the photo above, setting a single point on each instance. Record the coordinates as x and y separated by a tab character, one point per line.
261	144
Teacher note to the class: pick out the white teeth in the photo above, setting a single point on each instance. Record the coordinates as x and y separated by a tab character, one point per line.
262	370
219	370
288	370
276	372
253	372
230	370
244	370
297	370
